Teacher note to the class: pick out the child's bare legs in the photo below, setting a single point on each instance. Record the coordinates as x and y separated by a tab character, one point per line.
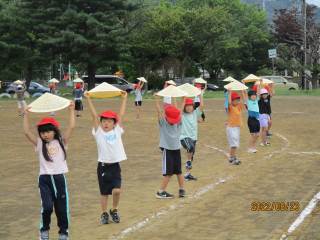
116	197
138	112
164	183
264	132
253	140
233	152
180	181
104	202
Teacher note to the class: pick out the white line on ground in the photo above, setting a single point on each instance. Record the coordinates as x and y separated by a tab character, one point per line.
306	211
218	149
168	210
286	145
305	153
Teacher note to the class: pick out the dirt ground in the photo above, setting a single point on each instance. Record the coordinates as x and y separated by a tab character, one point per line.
218	205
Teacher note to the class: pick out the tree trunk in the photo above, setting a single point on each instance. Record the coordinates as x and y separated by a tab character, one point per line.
29	74
91	68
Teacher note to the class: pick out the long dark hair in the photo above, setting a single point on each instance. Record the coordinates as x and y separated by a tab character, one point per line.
57	136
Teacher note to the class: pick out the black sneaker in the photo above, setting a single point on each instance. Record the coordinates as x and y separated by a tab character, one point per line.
114	215
164	195
236	161
63	237
104	218
44	235
231	159
189	177
182	193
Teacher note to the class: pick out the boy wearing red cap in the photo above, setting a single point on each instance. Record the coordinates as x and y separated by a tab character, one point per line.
170	131
234	123
107	131
51	148
78	93
189	132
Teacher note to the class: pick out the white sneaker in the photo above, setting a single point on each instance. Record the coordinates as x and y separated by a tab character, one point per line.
252	150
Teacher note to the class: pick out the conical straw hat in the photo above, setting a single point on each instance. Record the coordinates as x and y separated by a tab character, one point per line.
229	79
18	82
105	90
191	90
142	79
171	82
53	80
265	81
48	103
78	80
251	78
171	91
200	80
236	86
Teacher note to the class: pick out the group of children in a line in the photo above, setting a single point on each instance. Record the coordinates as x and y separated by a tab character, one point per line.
178	128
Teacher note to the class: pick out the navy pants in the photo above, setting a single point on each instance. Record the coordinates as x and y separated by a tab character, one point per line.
54	194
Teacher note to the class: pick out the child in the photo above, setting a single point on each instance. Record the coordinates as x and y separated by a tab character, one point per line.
170	131
78	93
234	123
51	149
20	91
107	131
197	99
264	117
138	100
253	119
189	132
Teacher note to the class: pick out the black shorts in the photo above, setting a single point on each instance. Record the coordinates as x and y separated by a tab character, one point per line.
189	144
171	162
78	105
109	177
138	103
254	125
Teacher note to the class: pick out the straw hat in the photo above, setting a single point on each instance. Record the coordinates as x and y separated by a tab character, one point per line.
200	80
171	82
229	79
171	91
236	86
142	79
18	82
251	78
105	90
265	81
53	80
191	91
48	103
78	80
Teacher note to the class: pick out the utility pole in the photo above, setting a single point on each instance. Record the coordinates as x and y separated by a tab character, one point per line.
304	14
264	5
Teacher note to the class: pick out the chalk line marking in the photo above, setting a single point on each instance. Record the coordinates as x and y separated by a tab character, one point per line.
165	211
306	211
286	145
305	153
218	149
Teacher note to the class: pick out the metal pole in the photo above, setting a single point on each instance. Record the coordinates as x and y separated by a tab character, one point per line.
304	14
273	70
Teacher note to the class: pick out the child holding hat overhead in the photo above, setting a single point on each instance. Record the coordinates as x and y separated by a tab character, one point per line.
78	93
170	132
265	113
20	91
197	99
107	131
189	132
235	109
51	147
138	99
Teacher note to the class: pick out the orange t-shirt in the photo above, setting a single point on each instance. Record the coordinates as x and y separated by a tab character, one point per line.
234	116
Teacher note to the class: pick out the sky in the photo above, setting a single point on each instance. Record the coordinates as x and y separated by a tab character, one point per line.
315	2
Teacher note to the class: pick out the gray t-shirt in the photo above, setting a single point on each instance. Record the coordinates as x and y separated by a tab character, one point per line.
20	93
169	135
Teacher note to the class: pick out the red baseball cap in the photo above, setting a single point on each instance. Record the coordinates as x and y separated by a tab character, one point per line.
255	88
110	114
48	120
235	96
188	101
173	115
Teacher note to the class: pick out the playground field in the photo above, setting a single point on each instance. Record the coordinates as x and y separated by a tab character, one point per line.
219	206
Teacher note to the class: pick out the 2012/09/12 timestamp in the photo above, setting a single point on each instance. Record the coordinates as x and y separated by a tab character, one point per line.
282	206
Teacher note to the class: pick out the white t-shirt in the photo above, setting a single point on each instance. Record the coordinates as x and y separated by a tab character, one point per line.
58	165
110	146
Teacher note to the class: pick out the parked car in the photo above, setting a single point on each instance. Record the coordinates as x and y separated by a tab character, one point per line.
34	87
113	80
212	87
283	83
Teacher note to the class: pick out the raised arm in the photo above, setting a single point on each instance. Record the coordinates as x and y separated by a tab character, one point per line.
229	97
94	115
26	128
158	108
272	90
183	103
244	98
201	103
123	106
72	123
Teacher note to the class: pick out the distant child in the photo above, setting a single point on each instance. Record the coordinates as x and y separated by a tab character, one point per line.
170	132
138	99
235	108
51	148
197	99
20	91
168	100
253	119
78	93
189	132
264	117
107	131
